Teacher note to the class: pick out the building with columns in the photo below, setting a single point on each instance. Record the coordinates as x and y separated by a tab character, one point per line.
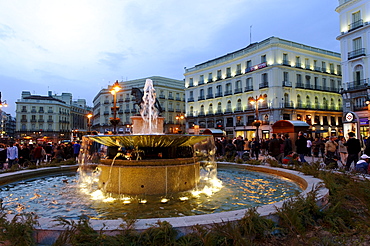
169	92
295	81
354	24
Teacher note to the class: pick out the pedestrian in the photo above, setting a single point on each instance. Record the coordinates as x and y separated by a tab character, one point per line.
316	147
342	149
38	154
362	165
12	154
2	155
256	147
230	150
288	146
309	146
239	145
331	147
274	147
353	149
301	145
76	149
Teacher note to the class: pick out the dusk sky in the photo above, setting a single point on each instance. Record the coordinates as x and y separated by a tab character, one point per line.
83	46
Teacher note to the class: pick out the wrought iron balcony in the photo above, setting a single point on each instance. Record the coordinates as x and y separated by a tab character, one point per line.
248	88
356	53
287	84
264	85
355	25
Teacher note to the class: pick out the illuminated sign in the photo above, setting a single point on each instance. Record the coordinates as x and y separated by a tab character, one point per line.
256	67
349	117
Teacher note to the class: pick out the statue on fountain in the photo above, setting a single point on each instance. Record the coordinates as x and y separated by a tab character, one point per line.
138	94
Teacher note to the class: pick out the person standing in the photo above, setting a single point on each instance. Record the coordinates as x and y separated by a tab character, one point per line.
274	147
256	146
37	154
288	146
12	154
342	150
301	145
330	147
2	155
239	145
353	149
76	149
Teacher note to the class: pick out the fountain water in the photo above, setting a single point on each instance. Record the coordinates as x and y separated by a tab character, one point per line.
152	162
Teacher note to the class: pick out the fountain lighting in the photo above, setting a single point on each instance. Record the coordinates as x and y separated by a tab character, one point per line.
164	200
97	195
126	202
184	198
143	201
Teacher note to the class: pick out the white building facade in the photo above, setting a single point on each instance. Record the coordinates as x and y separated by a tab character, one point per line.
169	92
354	16
52	118
296	82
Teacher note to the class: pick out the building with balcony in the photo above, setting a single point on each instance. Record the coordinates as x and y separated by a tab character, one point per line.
354	22
296	82
52	117
169	92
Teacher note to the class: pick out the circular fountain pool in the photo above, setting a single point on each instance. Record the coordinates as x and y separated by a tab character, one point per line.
62	195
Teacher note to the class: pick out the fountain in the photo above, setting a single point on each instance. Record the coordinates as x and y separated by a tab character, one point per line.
148	161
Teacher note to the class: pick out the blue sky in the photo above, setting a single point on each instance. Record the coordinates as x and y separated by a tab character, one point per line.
83	46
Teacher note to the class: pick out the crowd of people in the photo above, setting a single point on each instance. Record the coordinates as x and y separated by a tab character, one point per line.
36	154
337	152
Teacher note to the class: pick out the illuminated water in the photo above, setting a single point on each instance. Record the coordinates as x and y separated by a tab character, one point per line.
62	196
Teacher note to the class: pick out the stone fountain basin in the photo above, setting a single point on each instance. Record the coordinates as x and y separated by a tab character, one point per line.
149	177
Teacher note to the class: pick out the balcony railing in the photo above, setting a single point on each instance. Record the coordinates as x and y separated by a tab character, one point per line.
355	25
317	69
357	85
127	111
201	98
286	62
264	85
287	83
191	99
23	120
238	90
356	53
209	96
248	88
228	93
218	94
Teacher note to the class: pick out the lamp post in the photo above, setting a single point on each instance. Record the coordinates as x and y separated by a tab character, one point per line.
114	121
368	112
3	103
89	123
179	119
257	122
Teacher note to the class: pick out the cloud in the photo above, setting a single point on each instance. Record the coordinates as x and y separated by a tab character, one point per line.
6	32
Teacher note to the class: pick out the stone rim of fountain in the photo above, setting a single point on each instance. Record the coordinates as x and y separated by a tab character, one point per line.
47	231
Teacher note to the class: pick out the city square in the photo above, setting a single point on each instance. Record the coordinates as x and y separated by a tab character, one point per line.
293	104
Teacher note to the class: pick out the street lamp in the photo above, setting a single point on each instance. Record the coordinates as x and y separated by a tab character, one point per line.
89	123
256	122
3	103
179	119
114	121
368	110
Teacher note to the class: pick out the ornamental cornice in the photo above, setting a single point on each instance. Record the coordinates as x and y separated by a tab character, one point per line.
346	4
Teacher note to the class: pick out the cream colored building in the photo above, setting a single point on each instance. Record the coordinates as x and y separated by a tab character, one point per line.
354	16
169	92
296	81
52	117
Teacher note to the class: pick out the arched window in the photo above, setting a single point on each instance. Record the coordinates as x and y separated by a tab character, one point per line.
219	108
210	109
229	109
308	102
316	102
325	103
299	101
201	112
239	105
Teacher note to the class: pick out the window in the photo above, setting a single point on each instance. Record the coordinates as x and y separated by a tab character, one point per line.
238	69
219	108
210	79
307	63
356	21
24	108
210	92
228	72
191	82
201	112
239	105
317	120
333	121
324	83
263	58
285	59
325	120
331	67
219	91
201	79
298	61
228	90
299	79
323	66
316	81
299	101
201	94
228	107
248	64
316	102
264	78
238	86
219	75
210	109
285	76
339	70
